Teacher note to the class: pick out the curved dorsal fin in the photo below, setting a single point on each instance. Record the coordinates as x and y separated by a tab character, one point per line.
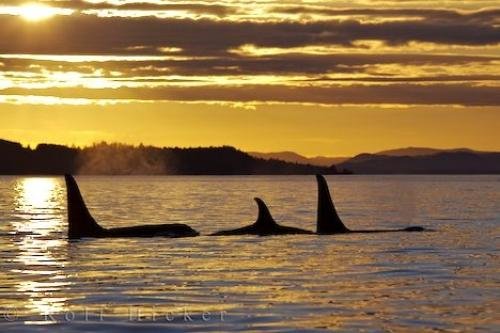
80	222
264	218
328	220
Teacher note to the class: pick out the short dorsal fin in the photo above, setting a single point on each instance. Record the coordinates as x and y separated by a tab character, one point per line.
80	222
264	218
328	220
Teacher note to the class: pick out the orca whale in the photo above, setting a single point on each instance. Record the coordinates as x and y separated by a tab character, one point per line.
328	221
265	225
81	224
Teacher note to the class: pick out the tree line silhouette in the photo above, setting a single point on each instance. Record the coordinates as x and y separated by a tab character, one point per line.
121	159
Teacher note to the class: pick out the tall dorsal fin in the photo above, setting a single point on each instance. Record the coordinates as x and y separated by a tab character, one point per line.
80	222
328	220
264	218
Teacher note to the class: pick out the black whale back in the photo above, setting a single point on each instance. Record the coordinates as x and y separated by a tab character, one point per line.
265	225
265	220
80	222
328	220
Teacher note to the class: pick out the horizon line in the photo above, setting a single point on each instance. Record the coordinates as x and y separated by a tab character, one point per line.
95	143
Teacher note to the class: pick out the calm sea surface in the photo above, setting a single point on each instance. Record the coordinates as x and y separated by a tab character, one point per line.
448	280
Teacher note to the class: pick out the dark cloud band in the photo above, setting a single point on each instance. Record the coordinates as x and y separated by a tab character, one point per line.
88	34
457	94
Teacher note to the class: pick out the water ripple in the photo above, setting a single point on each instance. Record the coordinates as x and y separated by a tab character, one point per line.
441	281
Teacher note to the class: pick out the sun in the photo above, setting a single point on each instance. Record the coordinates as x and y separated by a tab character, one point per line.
36	12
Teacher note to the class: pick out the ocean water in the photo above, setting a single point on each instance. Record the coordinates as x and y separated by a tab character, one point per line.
447	280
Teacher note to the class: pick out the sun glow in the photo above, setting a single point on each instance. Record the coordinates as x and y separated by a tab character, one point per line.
37	192
36	12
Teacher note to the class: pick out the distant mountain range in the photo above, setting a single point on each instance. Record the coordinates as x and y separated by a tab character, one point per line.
439	163
290	156
411	160
120	159
422	151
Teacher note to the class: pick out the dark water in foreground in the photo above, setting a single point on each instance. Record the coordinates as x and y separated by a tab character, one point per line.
445	281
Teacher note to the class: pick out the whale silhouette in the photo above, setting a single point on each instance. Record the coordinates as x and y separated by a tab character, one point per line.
81	224
264	226
329	222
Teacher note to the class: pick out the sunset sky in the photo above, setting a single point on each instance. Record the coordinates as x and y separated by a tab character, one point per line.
329	78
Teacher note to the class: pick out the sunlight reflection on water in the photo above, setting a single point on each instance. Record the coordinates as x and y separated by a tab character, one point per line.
38	202
443	280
